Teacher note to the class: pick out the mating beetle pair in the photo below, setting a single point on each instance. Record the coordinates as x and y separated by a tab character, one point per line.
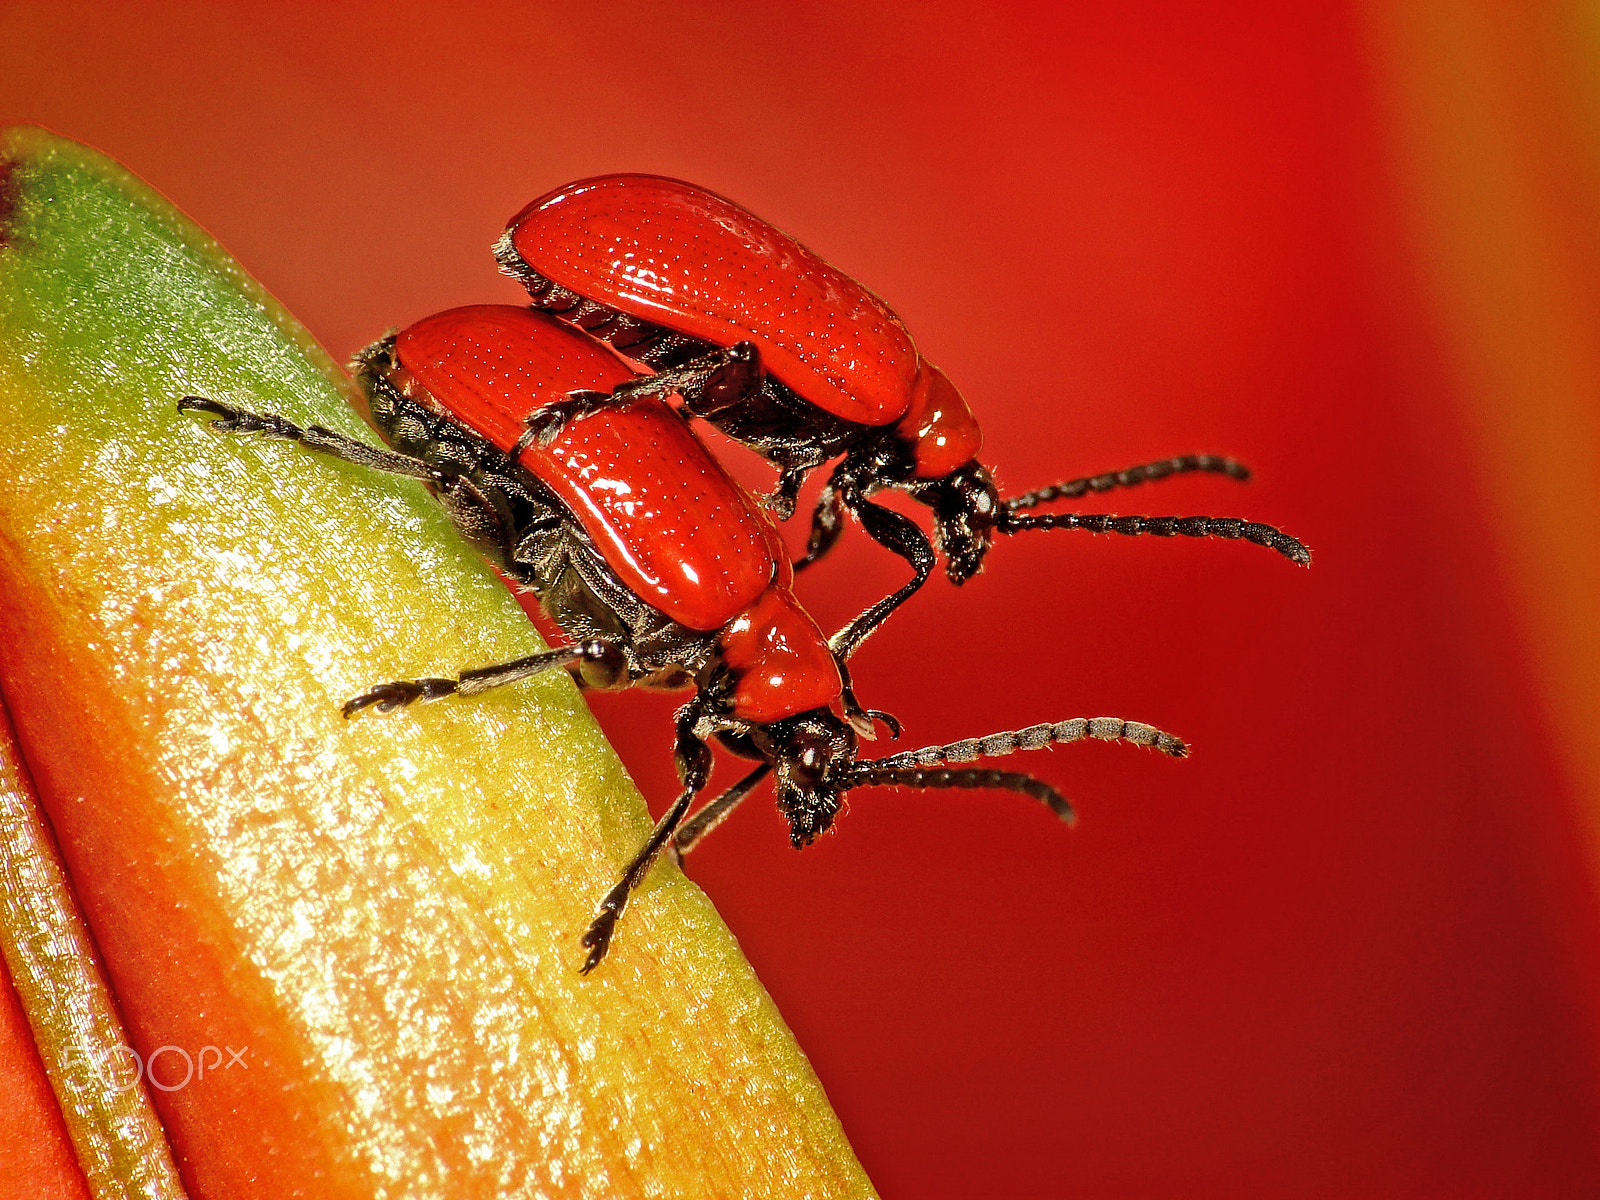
573	476
661	568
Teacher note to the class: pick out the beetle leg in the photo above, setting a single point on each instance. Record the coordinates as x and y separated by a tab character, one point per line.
708	384
827	523
886	527
782	501
899	534
861	719
1198	527
546	423
232	419
694	767
606	657
1130	477
715	812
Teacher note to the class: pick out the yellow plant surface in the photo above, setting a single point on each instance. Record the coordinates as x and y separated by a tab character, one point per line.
383	914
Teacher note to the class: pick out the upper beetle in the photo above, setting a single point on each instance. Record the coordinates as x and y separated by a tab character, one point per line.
789	355
662	569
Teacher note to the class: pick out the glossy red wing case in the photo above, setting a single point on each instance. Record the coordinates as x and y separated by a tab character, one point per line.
685	258
663	514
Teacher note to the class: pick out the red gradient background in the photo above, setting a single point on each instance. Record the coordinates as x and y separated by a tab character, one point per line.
1349	948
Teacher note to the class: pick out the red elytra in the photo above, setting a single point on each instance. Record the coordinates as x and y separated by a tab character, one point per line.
662	512
694	262
664	515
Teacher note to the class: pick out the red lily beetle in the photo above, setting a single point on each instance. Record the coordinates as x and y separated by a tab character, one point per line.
789	355
663	570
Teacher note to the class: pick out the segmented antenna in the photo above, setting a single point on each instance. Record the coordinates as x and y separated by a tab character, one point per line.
1197	527
923	768
1037	737
873	774
1131	477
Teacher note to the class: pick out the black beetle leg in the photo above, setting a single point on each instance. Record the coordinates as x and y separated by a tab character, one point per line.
694	766
607	657
782	501
546	423
715	812
708	384
861	719
231	419
901	535
827	523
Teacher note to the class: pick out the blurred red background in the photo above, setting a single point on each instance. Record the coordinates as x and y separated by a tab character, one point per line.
1347	949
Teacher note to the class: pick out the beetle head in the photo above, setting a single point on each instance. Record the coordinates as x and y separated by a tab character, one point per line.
813	754
966	508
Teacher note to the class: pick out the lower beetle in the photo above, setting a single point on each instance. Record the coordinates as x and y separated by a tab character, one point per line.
789	355
661	568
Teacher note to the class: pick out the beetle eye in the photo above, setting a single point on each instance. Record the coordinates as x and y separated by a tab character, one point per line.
806	795
812	750
809	756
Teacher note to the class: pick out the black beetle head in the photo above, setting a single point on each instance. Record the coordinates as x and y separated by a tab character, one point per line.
813	754
966	508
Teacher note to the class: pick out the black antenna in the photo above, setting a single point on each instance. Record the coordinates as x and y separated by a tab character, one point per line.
1197	527
1130	477
1008	520
927	767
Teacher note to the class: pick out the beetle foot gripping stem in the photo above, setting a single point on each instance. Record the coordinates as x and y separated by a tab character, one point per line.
694	764
232	419
925	767
597	938
389	696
